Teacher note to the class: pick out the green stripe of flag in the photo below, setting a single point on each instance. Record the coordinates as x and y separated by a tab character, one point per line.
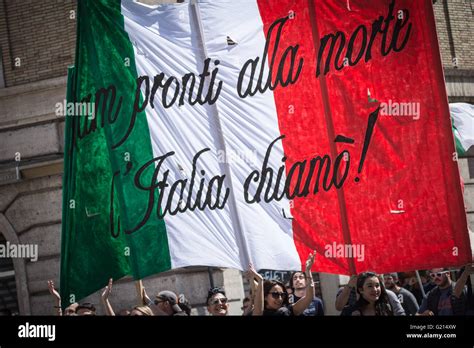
90	254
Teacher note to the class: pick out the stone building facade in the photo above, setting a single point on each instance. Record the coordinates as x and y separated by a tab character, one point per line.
37	40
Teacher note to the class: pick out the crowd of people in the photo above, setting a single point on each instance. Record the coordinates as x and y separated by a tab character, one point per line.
366	294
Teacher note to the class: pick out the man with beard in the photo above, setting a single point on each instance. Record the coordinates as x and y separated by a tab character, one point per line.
447	298
298	285
405	297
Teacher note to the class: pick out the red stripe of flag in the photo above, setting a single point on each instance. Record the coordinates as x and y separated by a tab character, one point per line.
406	210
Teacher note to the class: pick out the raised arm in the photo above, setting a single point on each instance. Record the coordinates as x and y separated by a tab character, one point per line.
305	301
146	299
343	297
258	291
458	288
253	287
105	299
56	296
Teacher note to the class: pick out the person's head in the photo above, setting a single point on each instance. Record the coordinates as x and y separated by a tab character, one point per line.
274	294
217	303
369	287
390	280
71	309
372	291
167	302
246	305
440	277
141	311
298	280
85	309
184	304
425	278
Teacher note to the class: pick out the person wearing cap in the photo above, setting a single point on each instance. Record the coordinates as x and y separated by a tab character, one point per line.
167	303
406	298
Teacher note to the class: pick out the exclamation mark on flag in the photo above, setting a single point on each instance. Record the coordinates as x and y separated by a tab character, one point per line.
368	135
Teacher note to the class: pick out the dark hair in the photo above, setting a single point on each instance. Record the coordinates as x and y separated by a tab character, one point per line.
291	278
184	304
267	287
382	305
246	299
214	291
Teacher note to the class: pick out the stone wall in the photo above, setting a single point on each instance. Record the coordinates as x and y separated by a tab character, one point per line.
455	27
37	39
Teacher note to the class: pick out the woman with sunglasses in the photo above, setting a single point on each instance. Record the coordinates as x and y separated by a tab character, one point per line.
373	299
272	298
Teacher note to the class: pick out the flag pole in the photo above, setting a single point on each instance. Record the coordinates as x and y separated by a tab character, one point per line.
421	284
211	277
139	285
219	140
346	234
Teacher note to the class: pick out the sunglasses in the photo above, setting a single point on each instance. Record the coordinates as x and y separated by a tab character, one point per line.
276	295
439	274
158	301
218	300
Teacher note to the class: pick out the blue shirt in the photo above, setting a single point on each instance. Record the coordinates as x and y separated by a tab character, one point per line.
444	304
315	308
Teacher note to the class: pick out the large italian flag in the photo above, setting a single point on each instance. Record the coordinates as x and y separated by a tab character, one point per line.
402	207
